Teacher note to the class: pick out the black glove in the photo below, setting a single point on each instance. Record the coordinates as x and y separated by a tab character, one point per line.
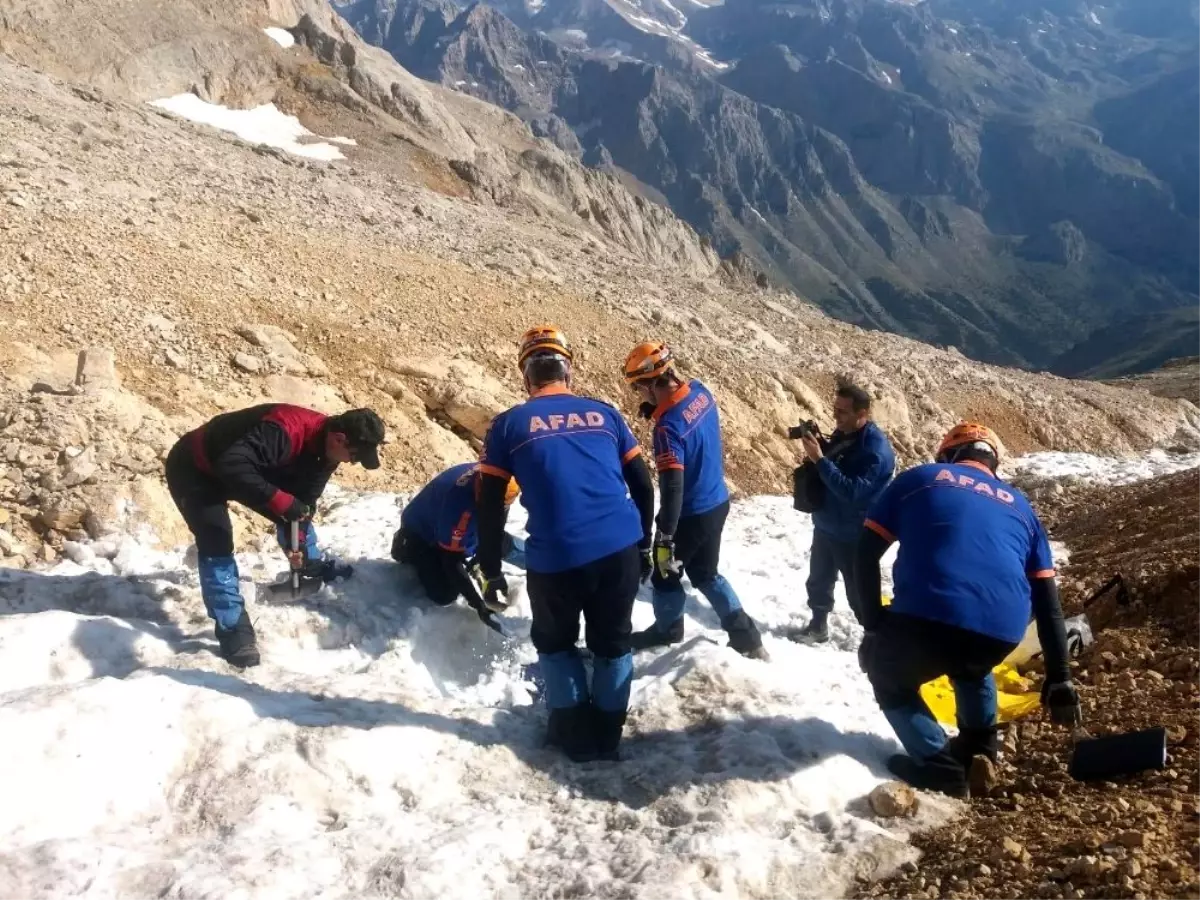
646	410
866	650
1061	699
647	560
664	556
297	511
495	592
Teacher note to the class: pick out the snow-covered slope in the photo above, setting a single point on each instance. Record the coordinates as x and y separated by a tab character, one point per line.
388	747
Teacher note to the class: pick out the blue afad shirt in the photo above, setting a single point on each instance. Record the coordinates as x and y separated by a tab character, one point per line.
567	453
969	547
443	512
687	436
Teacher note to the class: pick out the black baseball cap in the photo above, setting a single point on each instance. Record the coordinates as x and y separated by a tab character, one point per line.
364	433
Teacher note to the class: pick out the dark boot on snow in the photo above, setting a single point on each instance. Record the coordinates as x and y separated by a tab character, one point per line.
656	637
607	727
239	646
744	636
572	730
815	632
940	772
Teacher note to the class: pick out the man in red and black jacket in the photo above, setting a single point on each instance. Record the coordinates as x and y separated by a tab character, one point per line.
275	459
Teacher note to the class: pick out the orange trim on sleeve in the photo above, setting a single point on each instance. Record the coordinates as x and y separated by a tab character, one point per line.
493	470
880	530
635	452
1043	573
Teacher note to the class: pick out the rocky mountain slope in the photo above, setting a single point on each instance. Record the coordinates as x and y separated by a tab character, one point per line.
1140	343
202	271
1003	178
1175	378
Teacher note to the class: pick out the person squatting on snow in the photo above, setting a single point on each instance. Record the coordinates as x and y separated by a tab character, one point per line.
973	559
439	536
854	465
591	505
275	459
693	501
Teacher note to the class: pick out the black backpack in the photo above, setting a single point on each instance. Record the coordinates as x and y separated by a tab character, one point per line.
808	490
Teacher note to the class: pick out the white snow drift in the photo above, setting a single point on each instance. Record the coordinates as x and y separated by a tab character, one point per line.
263	124
386	747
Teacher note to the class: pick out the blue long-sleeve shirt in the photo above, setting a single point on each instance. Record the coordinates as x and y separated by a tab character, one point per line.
853	478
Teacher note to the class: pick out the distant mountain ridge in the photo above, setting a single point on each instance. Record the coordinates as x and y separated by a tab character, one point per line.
1001	177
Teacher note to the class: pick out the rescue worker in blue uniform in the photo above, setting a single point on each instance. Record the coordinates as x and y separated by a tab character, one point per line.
974	560
591	505
693	501
438	536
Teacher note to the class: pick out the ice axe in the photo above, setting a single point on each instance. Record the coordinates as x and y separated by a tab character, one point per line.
295	558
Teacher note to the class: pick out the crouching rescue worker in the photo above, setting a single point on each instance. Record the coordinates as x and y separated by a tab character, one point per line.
693	501
275	459
438	536
591	505
973	560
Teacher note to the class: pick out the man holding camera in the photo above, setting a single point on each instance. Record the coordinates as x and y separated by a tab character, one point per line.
841	477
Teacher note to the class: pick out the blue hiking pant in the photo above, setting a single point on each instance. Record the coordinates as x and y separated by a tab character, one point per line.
909	651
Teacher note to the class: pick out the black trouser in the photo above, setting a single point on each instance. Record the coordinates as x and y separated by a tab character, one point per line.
697	547
603	591
201	501
908	651
440	571
827	559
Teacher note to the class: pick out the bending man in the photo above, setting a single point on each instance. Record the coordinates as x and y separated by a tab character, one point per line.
275	459
973	560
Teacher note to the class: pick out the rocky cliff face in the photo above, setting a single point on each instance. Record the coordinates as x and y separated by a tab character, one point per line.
901	165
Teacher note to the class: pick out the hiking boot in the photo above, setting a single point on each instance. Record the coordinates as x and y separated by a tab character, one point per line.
972	742
940	772
326	569
239	646
815	632
607	727
572	730
744	636
656	637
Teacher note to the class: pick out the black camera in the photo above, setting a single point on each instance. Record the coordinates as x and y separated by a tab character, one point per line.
805	429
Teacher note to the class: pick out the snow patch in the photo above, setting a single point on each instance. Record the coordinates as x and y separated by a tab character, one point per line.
1094	18
281	36
1101	469
886	76
387	746
952	30
261	125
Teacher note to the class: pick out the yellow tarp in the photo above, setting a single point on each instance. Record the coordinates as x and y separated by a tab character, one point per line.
1011	697
1014	698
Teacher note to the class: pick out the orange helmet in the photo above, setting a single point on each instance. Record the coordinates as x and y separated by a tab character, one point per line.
511	490
968	433
647	360
543	338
